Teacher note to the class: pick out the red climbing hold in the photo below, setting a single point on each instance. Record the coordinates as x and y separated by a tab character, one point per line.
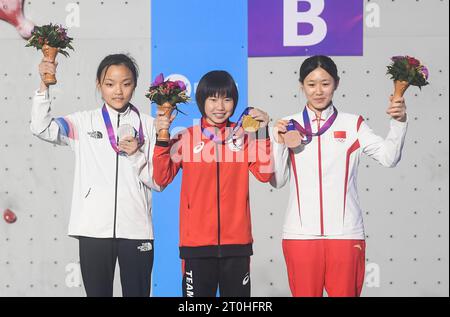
9	216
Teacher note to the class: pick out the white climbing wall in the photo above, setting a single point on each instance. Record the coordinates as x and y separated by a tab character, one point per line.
36	256
406	208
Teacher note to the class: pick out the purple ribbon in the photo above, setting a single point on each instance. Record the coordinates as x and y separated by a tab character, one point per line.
211	136
112	137
307	130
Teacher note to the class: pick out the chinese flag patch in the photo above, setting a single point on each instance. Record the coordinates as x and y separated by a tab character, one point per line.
340	134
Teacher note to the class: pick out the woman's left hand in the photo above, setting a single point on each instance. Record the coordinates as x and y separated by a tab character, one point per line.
397	109
129	145
260	116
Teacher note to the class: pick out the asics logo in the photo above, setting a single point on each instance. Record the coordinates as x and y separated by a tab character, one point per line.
199	147
358	246
246	279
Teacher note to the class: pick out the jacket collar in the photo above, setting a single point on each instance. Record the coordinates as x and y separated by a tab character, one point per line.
323	116
205	124
114	112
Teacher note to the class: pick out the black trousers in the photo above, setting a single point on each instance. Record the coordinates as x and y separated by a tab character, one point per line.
203	276
98	261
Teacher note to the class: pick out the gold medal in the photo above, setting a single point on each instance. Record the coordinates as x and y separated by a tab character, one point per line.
249	124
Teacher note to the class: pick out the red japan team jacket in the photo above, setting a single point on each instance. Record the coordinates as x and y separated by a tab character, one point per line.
214	204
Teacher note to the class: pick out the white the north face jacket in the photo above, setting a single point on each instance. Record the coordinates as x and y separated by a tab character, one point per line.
323	201
111	193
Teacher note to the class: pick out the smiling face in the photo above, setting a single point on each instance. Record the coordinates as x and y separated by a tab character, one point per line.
218	109
117	86
319	87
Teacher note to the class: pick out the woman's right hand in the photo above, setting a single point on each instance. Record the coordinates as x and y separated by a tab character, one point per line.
279	130
46	67
162	122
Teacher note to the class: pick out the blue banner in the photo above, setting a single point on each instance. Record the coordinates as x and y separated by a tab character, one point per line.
189	39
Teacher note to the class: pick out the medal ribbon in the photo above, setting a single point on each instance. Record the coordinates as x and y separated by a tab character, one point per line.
211	136
110	130
307	130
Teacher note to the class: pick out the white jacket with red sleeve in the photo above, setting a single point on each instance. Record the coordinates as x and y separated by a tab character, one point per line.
323	201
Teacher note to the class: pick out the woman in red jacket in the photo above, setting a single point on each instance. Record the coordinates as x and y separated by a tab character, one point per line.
216	157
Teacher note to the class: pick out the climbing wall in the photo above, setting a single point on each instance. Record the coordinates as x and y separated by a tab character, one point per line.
36	256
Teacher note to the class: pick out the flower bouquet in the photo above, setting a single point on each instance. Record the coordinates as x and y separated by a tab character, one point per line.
406	71
51	39
167	94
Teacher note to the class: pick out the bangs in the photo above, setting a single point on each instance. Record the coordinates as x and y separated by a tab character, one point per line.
217	83
219	92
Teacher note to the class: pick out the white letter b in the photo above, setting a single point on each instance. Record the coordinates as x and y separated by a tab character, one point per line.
291	18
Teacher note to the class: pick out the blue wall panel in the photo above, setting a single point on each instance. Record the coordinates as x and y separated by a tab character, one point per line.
191	40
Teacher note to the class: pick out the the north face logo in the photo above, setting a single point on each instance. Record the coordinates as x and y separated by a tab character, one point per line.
146	246
95	134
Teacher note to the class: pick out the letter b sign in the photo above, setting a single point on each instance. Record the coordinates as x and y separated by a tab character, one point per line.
292	18
305	27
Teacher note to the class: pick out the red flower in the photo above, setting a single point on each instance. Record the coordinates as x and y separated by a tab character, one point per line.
413	62
171	84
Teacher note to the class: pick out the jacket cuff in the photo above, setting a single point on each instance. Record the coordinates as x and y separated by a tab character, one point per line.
40	118
162	143
41	93
399	124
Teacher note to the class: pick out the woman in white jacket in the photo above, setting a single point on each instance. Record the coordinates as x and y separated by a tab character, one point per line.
323	233
111	203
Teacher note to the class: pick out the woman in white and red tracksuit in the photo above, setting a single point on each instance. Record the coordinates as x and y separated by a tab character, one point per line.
323	234
215	227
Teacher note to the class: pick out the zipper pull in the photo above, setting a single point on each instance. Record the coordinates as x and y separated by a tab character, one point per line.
318	121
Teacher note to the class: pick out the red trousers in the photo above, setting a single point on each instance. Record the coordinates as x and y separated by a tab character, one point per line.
336	265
